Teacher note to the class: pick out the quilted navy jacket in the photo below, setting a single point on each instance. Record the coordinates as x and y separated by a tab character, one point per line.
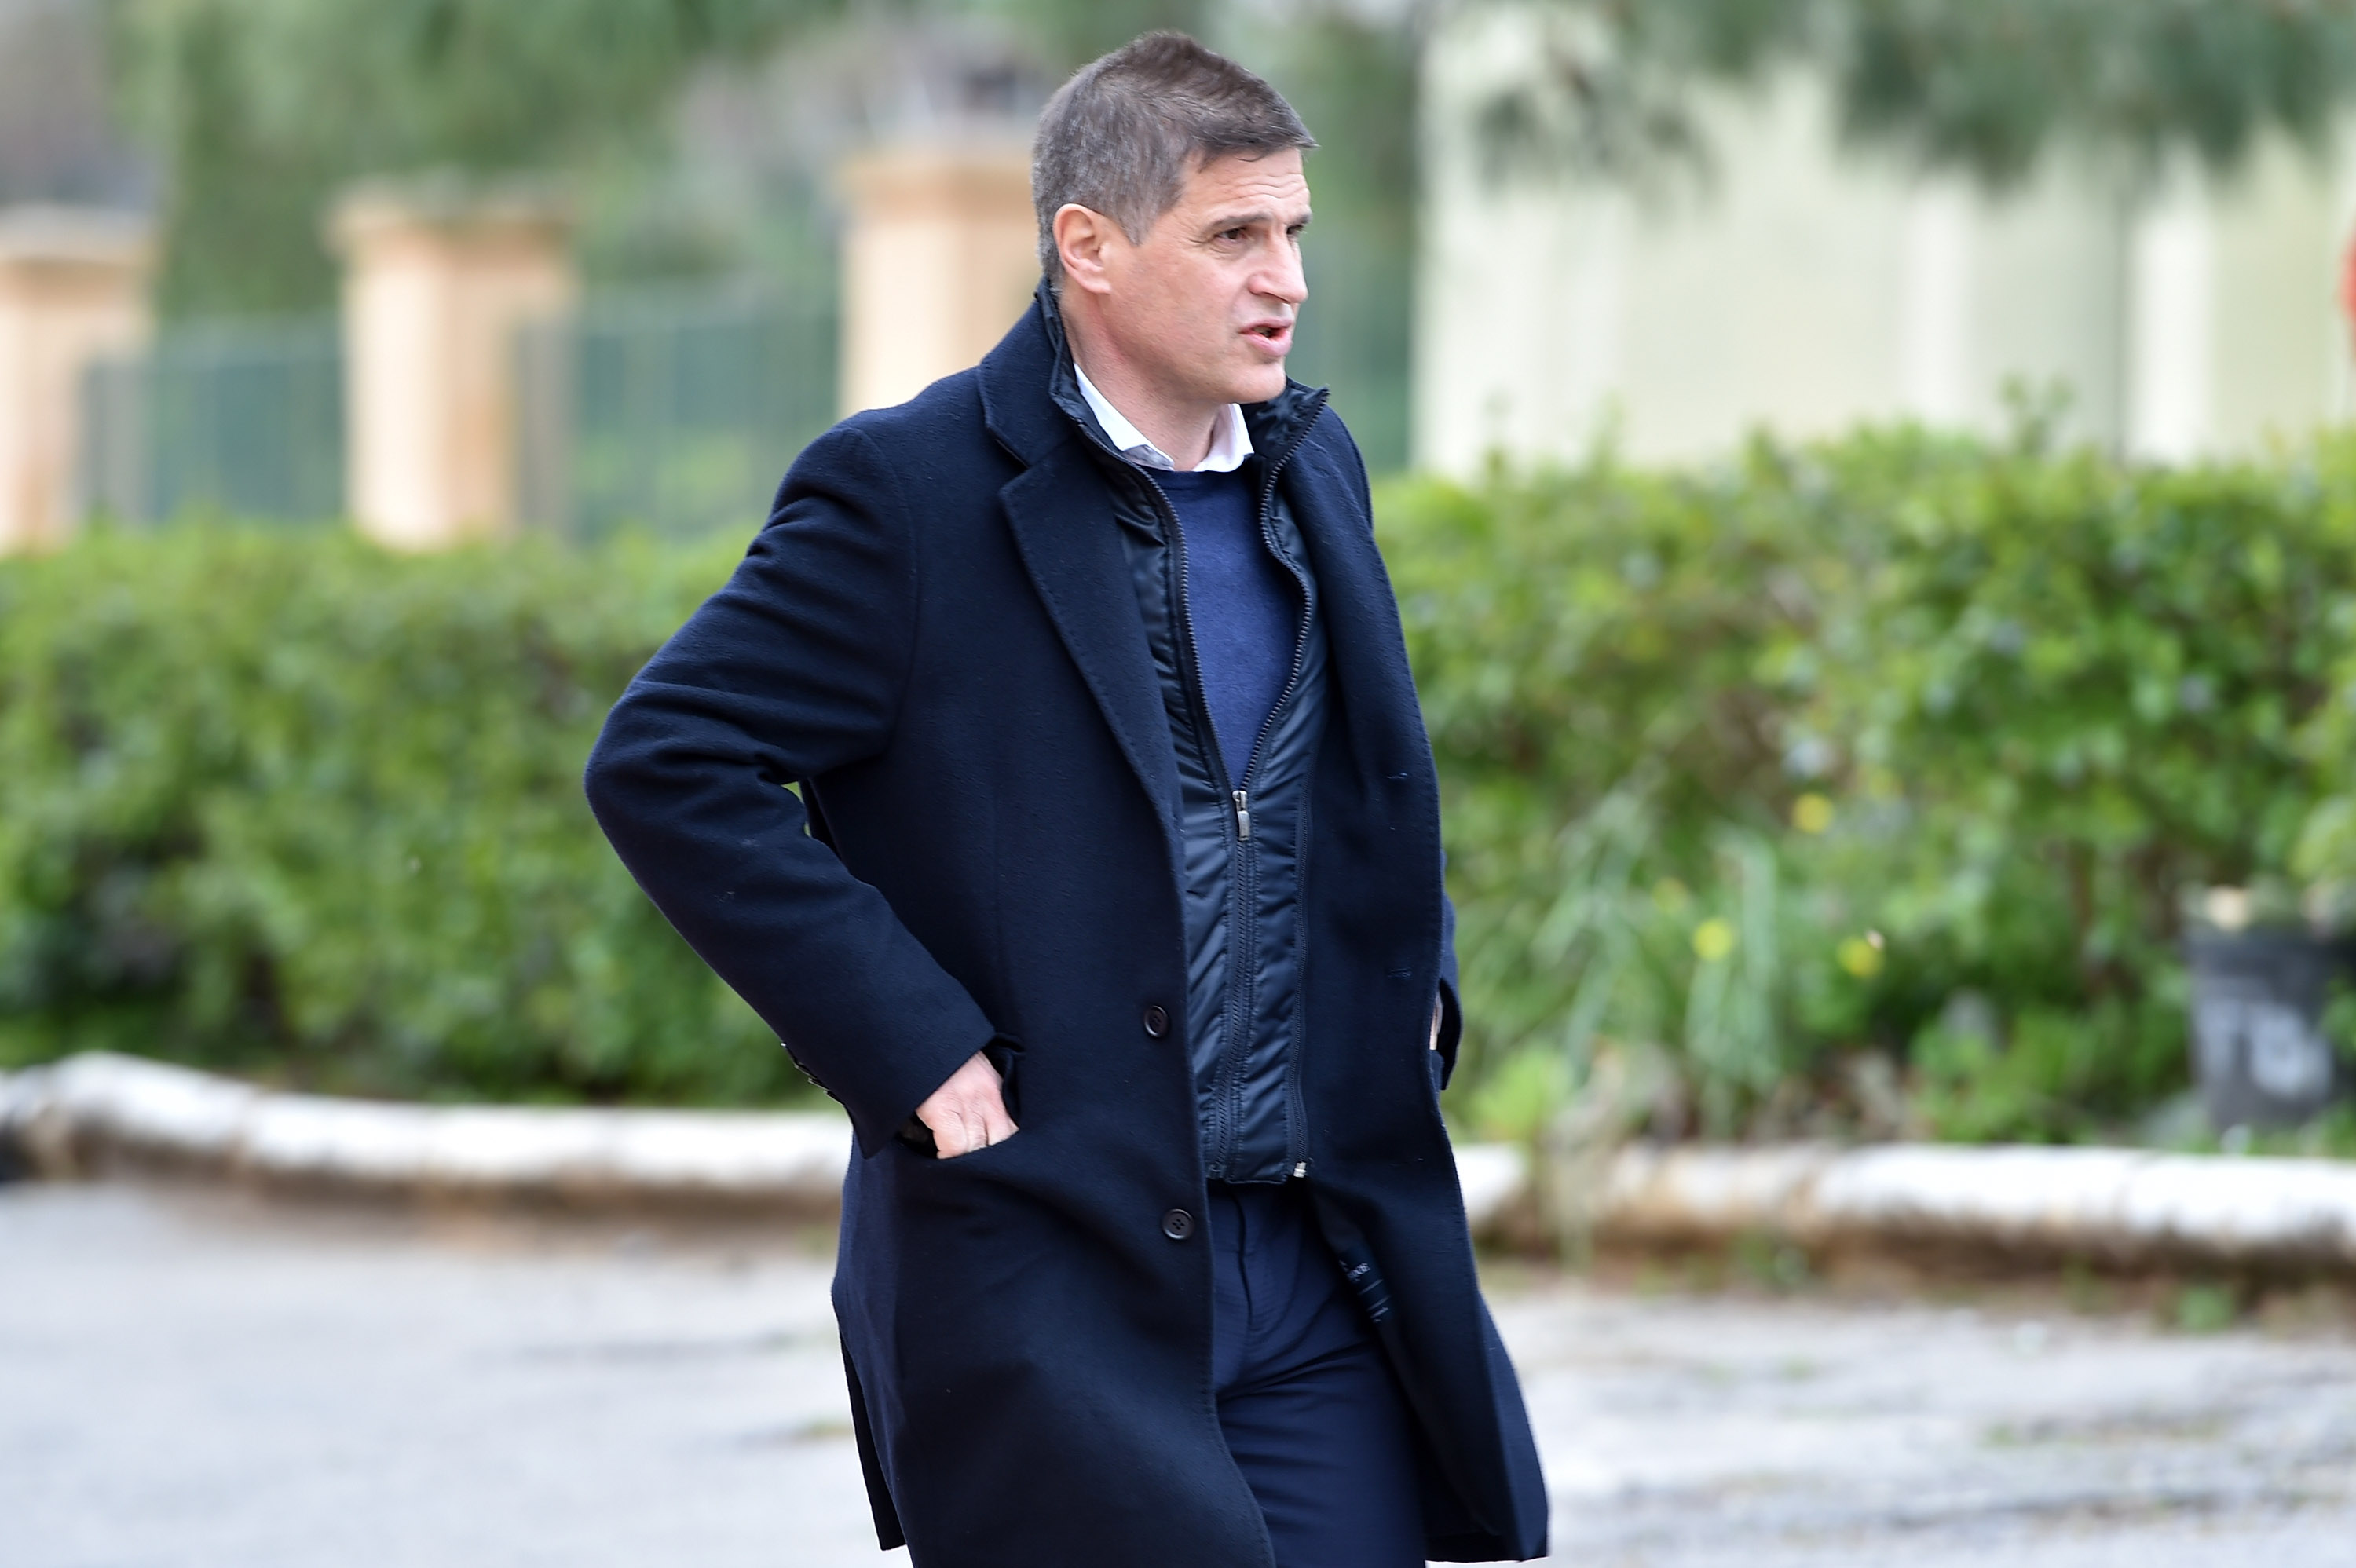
937	640
1239	848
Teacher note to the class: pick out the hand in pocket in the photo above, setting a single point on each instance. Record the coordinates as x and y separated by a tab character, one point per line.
968	1112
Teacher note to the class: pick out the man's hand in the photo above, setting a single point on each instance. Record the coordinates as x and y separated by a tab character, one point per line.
967	1113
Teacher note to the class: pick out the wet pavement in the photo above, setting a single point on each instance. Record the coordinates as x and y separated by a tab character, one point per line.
190	1379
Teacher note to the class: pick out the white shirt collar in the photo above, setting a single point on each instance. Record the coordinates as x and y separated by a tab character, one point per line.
1230	441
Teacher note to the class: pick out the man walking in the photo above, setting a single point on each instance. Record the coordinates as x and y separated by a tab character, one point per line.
1049	776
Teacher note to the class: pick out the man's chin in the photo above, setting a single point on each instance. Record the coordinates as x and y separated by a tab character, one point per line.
1263	381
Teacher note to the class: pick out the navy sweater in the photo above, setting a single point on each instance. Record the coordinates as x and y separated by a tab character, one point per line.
1243	606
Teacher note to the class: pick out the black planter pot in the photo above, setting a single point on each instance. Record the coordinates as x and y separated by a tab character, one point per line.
2259	1052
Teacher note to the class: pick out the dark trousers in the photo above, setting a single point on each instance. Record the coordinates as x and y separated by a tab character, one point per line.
1309	1405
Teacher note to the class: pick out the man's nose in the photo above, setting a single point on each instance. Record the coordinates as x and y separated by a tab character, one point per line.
1281	279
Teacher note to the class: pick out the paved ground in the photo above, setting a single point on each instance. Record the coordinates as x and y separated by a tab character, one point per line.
191	1381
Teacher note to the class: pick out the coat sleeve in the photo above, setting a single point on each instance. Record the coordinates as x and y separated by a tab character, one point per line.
795	668
1451	1011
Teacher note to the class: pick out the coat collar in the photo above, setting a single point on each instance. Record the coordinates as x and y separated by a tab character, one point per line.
1063	531
1058	509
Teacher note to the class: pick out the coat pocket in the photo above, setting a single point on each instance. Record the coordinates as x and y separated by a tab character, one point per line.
1003	1054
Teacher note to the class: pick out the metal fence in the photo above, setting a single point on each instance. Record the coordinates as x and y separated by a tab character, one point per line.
676	412
1354	339
244	419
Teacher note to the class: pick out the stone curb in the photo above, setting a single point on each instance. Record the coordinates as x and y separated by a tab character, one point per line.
2128	1207
2123	1206
98	1109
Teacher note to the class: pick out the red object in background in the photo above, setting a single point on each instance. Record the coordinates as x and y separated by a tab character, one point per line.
2348	286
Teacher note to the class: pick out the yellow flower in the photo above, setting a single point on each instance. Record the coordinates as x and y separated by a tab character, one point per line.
1861	956
1812	812
1713	939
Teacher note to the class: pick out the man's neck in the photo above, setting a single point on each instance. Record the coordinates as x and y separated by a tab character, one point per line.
1180	427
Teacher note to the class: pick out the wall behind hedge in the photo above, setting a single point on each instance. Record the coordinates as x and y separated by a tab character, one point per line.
282	803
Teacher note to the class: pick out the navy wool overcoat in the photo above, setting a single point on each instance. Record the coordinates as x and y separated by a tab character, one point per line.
935	640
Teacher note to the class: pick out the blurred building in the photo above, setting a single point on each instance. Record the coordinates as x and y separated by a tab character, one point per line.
468	384
58	143
1800	287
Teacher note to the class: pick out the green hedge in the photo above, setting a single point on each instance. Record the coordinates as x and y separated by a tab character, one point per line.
1856	788
1843	789
284	804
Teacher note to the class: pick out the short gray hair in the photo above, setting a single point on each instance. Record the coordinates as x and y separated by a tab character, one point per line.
1121	138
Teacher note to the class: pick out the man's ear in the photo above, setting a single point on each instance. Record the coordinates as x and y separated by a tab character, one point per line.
1083	236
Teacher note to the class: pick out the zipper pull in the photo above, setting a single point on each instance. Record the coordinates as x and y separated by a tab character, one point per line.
1243	813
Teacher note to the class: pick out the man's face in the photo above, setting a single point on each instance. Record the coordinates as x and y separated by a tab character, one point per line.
1205	302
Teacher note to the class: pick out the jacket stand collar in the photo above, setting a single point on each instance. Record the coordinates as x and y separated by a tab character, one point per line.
1030	393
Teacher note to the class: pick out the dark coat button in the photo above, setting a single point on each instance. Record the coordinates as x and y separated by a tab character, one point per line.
1157	1022
1177	1224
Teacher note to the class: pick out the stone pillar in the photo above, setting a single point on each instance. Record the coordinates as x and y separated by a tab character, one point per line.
73	289
938	260
436	291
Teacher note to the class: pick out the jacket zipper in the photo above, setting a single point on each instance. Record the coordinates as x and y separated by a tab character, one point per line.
1236	1014
1292	1089
1243	879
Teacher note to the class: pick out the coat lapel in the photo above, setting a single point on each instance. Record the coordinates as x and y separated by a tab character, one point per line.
1062	519
1064	531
